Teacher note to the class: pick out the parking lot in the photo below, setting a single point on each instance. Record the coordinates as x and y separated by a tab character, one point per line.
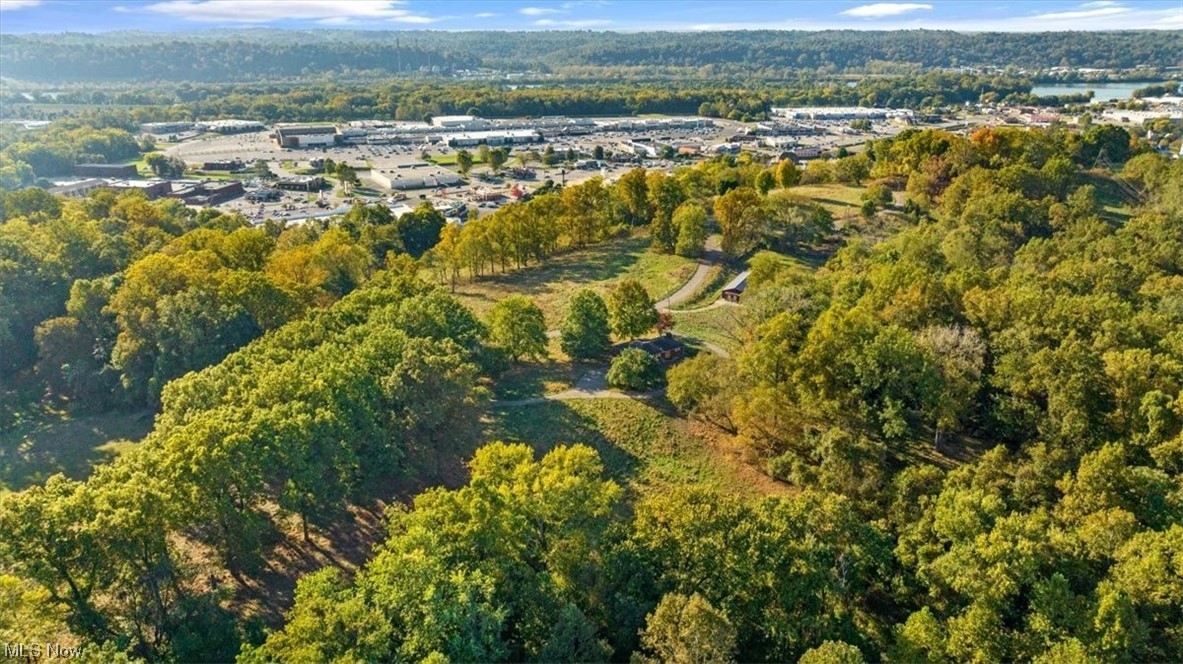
482	191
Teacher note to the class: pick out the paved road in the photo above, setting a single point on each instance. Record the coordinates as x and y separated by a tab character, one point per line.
696	280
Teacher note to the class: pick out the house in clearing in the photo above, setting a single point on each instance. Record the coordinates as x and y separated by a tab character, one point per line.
665	348
734	290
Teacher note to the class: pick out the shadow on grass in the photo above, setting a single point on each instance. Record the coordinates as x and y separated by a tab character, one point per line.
530	379
56	442
573	266
554	423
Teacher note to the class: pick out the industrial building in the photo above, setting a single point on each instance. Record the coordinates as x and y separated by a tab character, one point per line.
305	136
105	170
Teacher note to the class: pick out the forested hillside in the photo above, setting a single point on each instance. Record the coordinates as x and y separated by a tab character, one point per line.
971	407
240	56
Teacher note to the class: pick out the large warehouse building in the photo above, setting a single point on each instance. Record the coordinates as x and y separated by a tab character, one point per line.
305	136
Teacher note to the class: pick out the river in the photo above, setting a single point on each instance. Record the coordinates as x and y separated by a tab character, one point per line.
1104	91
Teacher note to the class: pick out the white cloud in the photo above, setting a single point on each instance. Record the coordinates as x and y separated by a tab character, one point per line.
9	5
1098	12
266	11
537	11
484	15
1083	18
585	23
881	9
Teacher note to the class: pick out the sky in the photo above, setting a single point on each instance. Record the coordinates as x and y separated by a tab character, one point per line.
24	16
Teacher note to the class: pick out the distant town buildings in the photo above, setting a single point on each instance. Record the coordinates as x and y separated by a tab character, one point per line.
841	113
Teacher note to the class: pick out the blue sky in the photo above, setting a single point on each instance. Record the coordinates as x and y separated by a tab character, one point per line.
21	16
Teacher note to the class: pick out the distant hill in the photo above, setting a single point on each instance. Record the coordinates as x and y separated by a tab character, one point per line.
266	54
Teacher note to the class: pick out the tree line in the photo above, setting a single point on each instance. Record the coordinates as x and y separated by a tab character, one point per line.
109	297
220	56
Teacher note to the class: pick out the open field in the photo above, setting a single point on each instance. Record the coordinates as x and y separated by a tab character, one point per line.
50	442
552	284
644	445
721	325
840	199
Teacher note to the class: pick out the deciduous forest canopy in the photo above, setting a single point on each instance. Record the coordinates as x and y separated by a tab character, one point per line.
219	56
924	403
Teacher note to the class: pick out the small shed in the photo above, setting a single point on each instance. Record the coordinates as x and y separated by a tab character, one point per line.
734	290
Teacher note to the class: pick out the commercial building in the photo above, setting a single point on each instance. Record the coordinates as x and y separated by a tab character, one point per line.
229	166
466	122
105	170
76	188
840	113
160	128
152	188
499	137
417	178
301	183
305	136
638	148
207	193
231	126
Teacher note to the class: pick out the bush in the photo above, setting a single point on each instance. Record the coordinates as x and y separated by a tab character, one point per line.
634	369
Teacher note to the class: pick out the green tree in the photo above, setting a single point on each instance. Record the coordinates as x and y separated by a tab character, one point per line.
585	333
832	652
703	386
690	219
420	229
664	233
517	326
464	161
740	215
853	169
787	173
631	311
633	192
634	369
688	630
765	181
497	159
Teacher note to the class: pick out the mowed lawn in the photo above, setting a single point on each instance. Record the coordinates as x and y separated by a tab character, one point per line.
52	442
840	199
551	284
644	445
723	326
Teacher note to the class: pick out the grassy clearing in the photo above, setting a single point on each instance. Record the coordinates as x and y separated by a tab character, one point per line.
721	325
51	442
552	284
643	445
712	287
834	197
533	379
